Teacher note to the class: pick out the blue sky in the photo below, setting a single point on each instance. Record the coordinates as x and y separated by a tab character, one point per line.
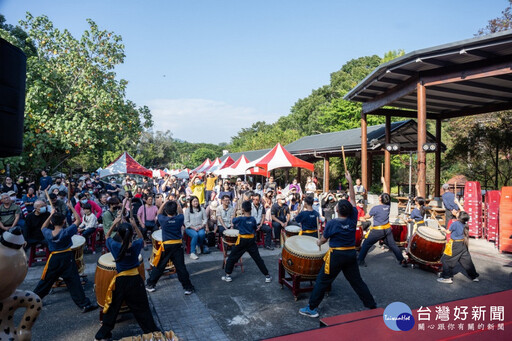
207	68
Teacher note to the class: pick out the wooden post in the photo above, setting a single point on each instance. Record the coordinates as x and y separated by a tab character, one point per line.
298	175
326	174
422	137
287	175
387	155
437	176
369	170
364	153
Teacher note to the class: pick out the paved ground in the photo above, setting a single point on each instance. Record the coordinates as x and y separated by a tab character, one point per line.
249	309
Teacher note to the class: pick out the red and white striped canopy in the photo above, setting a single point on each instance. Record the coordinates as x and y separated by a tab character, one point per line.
206	163
225	164
212	166
125	164
279	157
237	168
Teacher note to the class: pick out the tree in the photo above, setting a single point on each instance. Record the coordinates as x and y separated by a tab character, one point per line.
75	107
201	154
499	24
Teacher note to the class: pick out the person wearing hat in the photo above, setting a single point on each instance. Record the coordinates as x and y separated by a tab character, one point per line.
341	234
61	262
280	214
10	213
452	209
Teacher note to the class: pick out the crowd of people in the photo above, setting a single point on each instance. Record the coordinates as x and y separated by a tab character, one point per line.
203	208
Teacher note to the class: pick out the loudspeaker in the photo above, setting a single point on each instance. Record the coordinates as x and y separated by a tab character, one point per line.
13	69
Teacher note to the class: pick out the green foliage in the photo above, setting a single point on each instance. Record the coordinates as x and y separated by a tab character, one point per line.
499	24
75	108
201	154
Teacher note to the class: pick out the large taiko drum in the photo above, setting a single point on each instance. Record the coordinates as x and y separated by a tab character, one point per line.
301	256
427	245
359	235
230	236
156	239
78	249
399	230
105	271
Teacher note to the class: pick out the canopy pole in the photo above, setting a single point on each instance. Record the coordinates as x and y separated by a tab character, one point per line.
387	155
326	174
422	136
298	175
364	152
437	180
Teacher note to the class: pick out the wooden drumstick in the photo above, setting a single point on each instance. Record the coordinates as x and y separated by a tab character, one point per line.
48	198
318	233
381	170
344	160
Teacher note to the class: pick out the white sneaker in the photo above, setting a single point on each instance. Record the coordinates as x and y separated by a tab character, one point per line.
445	280
268	279
193	256
476	280
226	278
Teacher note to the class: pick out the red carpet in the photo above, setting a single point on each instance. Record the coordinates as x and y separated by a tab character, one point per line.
370	324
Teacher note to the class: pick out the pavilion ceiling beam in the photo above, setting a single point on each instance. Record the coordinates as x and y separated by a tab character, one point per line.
469	93
470	73
493	87
478	110
399	113
391	96
448	99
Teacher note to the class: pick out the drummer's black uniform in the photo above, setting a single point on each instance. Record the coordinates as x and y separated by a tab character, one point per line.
341	233
245	225
129	289
171	230
62	265
380	214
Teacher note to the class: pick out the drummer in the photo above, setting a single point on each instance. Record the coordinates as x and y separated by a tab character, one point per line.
381	229
128	285
418	213
246	243
309	219
171	219
61	262
341	234
457	252
452	209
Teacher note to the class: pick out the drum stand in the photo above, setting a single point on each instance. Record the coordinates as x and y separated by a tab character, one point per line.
436	268
293	282
225	253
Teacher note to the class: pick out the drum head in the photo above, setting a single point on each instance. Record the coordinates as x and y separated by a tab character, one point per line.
157	235
396	221
107	260
78	241
293	228
431	233
231	233
305	245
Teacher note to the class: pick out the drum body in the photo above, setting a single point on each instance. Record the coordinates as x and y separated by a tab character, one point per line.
105	271
292	230
399	230
78	250
156	240
230	236
302	256
427	245
359	235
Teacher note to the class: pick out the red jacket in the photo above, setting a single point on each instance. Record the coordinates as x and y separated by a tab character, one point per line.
360	213
96	210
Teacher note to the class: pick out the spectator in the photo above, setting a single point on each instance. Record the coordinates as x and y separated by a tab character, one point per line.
225	214
197	187
295	185
360	190
195	223
33	223
29	200
280	214
45	181
210	184
328	206
22	186
89	221
226	190
103	202
112	188
310	186
59	205
8	186
82	200
114	207
10	213
270	184
58	185
147	215
258	212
